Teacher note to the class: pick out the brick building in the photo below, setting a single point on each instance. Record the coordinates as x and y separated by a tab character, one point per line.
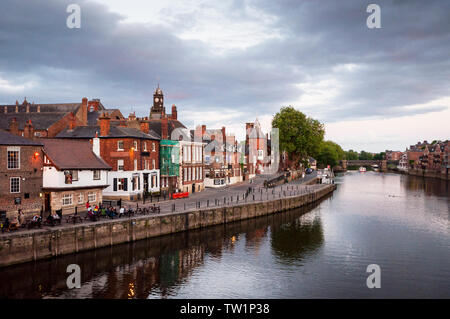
21	175
47	120
132	153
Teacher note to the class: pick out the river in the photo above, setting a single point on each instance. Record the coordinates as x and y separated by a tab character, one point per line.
398	222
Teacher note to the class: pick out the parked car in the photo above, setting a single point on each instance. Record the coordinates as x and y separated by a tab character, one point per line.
309	170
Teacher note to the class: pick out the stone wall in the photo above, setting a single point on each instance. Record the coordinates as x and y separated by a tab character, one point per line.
39	244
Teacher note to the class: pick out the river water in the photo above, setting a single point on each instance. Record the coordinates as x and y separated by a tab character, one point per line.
398	222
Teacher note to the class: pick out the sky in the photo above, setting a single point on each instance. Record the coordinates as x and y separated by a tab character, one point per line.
224	63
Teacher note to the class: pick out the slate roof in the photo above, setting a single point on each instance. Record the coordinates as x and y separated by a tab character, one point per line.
11	139
73	154
88	132
155	125
48	115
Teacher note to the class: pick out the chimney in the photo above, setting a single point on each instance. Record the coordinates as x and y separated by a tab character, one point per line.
164	128
14	127
28	108
95	103
84	110
174	112
96	145
6	109
17	106
104	124
145	126
213	137
28	130
203	130
38	109
72	122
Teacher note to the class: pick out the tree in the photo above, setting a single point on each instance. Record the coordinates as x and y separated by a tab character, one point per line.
365	156
380	156
330	153
351	155
300	136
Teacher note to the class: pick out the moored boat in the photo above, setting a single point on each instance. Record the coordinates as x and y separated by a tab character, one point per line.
362	169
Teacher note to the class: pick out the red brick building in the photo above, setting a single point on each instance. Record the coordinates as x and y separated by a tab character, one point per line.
21	175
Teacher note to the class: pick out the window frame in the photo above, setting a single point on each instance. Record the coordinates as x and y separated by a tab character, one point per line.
12	149
11	184
118	145
94	175
66	197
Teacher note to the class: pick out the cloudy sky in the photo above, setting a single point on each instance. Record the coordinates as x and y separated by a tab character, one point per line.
223	63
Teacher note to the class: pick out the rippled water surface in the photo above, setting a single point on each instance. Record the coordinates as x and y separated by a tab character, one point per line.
399	222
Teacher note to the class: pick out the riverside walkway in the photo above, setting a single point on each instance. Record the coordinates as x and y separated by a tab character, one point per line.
252	191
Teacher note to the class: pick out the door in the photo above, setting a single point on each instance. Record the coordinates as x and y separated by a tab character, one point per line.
47	207
193	187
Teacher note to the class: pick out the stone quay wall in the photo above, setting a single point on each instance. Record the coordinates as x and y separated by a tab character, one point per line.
40	244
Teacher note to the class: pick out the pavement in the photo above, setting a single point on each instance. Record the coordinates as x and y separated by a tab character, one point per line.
248	191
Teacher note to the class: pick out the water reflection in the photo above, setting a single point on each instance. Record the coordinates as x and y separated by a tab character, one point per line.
157	266
305	232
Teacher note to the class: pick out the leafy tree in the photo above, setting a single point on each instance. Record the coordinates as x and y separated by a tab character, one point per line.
380	156
330	153
351	155
300	136
365	156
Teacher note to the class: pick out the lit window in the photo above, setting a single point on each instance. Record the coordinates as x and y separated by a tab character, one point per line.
67	199
14	186
13	157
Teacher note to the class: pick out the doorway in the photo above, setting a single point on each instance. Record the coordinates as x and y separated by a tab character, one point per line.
193	187
47	207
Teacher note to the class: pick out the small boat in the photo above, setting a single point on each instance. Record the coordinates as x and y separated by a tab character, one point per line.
362	169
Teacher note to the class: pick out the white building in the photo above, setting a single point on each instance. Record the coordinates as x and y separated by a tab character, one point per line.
72	175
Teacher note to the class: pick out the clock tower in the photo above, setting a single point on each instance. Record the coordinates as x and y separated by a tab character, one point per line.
157	110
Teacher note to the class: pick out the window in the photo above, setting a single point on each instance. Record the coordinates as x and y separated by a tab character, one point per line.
135	145
146	165
135	165
38	134
120	145
145	146
120	165
14	186
96	175
120	184
70	176
260	153
13	157
185	174
153	147
67	199
92	197
80	198
154	165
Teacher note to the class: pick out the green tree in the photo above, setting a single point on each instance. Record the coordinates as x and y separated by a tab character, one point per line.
330	153
351	155
365	156
380	156
300	136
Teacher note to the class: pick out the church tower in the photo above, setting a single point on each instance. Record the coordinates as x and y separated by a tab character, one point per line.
157	111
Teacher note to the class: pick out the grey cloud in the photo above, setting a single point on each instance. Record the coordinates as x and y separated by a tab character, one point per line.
405	62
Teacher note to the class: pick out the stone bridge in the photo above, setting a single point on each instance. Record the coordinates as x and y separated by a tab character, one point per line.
382	164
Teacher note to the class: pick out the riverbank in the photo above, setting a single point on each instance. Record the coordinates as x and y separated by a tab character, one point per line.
41	244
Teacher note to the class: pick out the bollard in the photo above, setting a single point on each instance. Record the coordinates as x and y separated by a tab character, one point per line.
207	203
